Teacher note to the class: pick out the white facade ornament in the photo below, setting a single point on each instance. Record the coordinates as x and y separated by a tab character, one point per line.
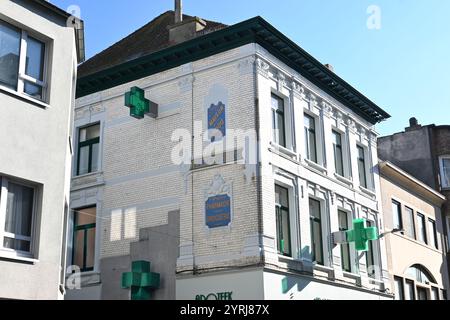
217	187
351	125
281	80
298	89
262	67
312	100
327	109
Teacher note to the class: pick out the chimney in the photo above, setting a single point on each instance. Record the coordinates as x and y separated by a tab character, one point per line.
329	67
184	30
178	11
413	125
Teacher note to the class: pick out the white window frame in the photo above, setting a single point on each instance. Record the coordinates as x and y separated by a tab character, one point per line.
441	168
3	202
345	153
288	127
22	77
354	262
289	184
318	131
367	166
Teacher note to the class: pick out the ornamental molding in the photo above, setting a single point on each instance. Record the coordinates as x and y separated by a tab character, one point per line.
262	67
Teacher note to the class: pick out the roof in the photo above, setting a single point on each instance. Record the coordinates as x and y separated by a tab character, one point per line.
97	75
392	171
152	37
78	25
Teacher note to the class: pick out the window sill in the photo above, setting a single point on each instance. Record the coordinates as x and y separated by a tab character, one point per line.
25	98
367	191
316	166
283	150
13	256
343	179
91	174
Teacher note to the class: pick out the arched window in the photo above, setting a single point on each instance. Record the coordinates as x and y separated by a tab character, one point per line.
420	274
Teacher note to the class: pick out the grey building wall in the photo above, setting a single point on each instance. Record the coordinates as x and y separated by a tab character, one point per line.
411	151
34	144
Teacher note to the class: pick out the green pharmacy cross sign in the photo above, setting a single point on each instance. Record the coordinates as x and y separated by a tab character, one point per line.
139	105
140	280
360	235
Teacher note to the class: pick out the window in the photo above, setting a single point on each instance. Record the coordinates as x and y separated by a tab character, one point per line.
399	292
445	171
362	167
83	254
338	157
397	215
409	223
420	274
22	62
433	233
422	232
434	293
278	119
370	255
422	293
283	221
410	291
345	248
88	149
316	231
17	220
310	138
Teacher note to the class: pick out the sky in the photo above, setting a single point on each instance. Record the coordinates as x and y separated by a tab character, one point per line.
402	62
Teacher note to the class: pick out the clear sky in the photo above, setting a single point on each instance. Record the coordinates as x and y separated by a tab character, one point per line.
404	66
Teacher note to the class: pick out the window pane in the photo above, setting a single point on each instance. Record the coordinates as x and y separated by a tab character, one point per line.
338	160
33	90
281	196
433	233
316	231
9	55
446	173
409	290
421	228
310	138
370	255
409	223
362	167
95	157
14	244
85	216
422	293
78	249
90	248
90	133
345	248
35	59
281	132
83	167
19	210
397	215
434	293
398	282
277	103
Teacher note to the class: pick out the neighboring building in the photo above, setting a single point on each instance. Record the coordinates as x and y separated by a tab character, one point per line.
234	229
416	255
38	69
423	152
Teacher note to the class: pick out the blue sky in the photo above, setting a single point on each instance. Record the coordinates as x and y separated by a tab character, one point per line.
404	67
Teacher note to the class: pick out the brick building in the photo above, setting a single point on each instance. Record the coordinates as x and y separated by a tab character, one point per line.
254	223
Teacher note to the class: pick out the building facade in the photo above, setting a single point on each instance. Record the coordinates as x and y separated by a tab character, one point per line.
245	210
39	52
423	152
413	210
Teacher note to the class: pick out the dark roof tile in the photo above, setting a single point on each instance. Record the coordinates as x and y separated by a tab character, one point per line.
152	37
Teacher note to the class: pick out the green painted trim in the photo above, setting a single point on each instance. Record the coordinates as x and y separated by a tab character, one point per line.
255	30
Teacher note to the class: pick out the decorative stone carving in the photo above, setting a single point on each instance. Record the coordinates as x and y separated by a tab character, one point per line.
351	125
281	78
327	108
262	67
298	89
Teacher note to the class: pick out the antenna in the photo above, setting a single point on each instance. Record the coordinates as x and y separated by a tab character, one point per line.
178	11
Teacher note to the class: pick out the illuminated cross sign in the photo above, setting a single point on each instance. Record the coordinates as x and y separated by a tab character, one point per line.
139	105
361	235
140	280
